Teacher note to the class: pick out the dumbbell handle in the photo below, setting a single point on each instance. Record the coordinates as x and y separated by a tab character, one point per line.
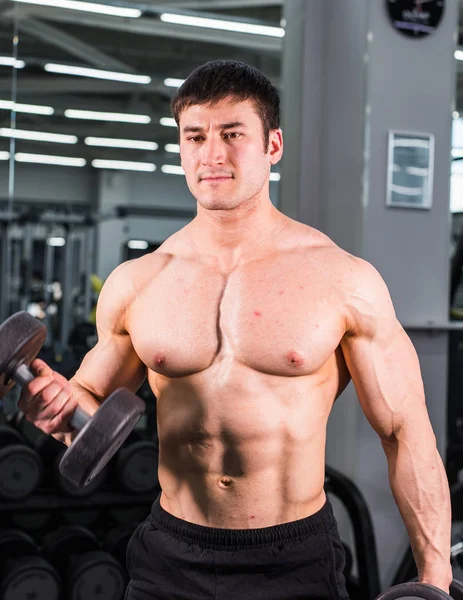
23	375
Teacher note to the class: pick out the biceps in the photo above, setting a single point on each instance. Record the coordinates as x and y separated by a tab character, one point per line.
387	378
112	363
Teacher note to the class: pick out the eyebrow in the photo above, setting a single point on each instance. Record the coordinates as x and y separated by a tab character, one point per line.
198	128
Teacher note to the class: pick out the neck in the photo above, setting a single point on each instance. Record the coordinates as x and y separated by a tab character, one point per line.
235	234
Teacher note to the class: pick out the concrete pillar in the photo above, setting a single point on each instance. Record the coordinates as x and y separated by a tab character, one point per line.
349	79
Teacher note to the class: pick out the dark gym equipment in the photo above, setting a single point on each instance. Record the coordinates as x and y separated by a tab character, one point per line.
117	540
422	590
89	572
413	589
342	487
24	574
20	466
101	435
137	466
51	452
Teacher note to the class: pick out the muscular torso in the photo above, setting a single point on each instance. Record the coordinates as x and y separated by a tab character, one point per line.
246	365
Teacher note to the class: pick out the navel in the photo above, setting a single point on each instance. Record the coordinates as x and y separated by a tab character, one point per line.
294	359
225	482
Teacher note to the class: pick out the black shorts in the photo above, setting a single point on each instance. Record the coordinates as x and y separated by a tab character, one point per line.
171	559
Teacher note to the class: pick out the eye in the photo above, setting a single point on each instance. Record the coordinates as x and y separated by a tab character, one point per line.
195	138
233	135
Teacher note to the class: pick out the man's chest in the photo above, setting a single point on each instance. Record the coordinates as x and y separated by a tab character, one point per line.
275	319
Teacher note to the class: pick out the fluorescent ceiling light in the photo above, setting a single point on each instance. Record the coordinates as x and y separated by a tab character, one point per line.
137	244
172	148
124	165
223	25
172	170
96	73
46	159
417	171
39	136
275	176
95	115
459	54
170	82
406	190
118	143
56	241
4	156
168	122
9	61
103	9
33	109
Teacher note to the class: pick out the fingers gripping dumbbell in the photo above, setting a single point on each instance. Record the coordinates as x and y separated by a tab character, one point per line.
100	436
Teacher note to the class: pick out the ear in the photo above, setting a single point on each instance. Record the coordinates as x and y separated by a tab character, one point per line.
275	146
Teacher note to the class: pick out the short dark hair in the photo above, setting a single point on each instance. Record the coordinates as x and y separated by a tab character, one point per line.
220	79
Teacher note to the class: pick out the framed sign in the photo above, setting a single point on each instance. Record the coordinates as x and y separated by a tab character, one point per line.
410	170
415	18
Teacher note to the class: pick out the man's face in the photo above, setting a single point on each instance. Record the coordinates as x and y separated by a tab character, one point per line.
223	155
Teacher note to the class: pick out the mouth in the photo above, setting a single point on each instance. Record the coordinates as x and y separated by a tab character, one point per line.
215	179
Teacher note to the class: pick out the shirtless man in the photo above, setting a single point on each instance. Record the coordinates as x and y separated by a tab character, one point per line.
248	326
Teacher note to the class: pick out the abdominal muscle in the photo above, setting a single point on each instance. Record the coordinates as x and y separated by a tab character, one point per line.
246	455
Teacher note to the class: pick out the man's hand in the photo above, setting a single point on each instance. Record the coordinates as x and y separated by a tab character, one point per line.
47	401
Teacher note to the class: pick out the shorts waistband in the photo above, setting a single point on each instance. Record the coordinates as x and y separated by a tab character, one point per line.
228	539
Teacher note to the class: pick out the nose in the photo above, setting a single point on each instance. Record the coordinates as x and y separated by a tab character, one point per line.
213	152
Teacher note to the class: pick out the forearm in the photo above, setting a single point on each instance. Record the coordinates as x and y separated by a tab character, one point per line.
86	401
420	488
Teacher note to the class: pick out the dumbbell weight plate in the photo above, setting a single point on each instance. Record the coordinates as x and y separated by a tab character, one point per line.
60	545
9	435
22	336
23	573
51	451
101	437
96	575
14	544
137	467
30	577
456	590
414	590
20	466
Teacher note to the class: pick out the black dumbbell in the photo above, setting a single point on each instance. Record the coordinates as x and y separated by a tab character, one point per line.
100	436
89	572
23	573
136	465
20	466
50	452
413	589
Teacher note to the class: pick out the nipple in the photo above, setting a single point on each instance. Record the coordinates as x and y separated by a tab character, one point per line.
294	359
159	359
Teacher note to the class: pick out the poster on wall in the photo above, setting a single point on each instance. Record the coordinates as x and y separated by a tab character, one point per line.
410	170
